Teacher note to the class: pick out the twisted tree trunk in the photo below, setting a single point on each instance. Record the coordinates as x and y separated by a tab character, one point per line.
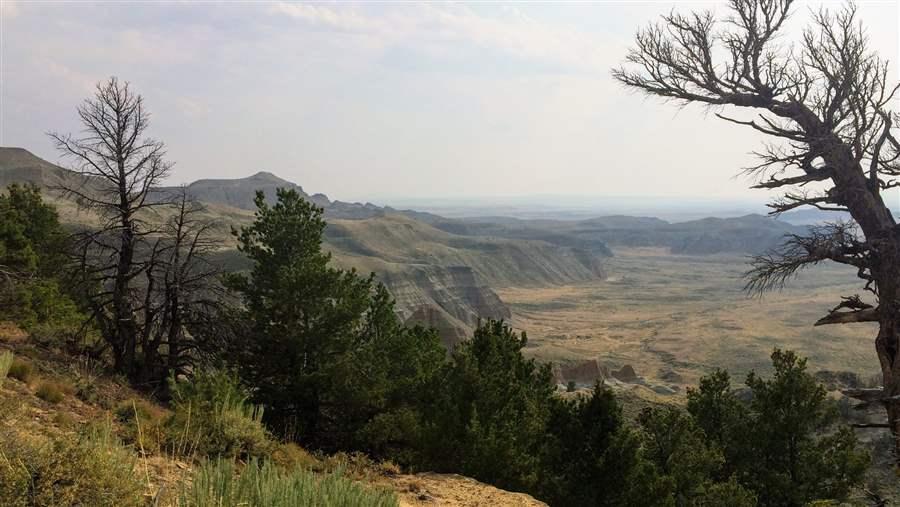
886	344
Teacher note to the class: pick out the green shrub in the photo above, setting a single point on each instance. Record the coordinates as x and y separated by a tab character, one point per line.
219	482
6	360
91	470
51	392
789	425
20	370
489	411
40	307
212	418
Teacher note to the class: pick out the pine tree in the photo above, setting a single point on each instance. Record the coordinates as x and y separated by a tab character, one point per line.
321	348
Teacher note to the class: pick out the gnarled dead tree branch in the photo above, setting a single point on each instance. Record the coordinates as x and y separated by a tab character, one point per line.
824	106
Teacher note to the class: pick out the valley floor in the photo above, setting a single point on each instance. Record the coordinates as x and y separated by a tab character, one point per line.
675	318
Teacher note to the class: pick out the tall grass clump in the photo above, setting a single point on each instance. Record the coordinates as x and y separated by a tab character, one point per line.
6	360
93	469
20	370
219	482
51	392
212	418
142	425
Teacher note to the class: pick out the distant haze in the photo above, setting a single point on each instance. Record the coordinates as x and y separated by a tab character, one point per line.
389	102
575	207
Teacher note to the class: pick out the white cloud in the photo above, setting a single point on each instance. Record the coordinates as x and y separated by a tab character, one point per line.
343	19
439	28
84	83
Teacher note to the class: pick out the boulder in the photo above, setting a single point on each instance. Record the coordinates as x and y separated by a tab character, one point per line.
625	374
669	375
583	373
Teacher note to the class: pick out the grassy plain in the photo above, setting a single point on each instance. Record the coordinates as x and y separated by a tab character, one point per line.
664	313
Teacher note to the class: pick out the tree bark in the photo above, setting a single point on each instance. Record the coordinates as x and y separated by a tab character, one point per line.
886	344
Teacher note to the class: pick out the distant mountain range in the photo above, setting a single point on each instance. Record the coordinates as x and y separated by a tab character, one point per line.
747	234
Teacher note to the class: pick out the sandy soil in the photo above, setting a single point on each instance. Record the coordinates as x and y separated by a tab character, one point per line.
665	313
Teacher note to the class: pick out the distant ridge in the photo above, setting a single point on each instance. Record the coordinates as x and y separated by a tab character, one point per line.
438	278
746	234
18	165
241	192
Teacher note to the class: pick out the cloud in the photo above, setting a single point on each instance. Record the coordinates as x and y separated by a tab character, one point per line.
442	30
73	78
343	19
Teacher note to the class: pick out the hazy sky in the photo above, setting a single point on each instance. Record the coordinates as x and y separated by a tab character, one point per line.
373	100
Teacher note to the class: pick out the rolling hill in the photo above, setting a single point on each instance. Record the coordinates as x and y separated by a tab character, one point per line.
438	278
443	272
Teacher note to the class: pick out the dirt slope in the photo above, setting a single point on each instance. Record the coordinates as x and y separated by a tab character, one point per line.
23	415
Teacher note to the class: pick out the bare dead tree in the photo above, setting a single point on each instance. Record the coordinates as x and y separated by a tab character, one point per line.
188	293
824	103
120	167
135	268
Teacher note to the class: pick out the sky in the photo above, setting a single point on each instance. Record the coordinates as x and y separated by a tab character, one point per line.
381	100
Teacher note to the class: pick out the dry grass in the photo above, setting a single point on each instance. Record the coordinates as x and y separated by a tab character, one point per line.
66	470
21	371
687	314
51	392
6	360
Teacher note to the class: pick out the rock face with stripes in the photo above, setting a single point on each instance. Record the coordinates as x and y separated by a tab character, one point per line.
448	299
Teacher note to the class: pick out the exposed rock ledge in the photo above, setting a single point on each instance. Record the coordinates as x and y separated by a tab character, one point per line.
449	299
453	490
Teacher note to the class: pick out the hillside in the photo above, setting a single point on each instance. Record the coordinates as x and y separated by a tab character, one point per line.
20	165
443	280
240	193
91	400
438	278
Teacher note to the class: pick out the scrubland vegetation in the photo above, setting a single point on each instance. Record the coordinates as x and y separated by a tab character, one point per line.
315	356
290	382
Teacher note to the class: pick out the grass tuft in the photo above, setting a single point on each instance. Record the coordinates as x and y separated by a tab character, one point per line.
63	471
6	360
142	425
51	392
219	482
212	418
21	371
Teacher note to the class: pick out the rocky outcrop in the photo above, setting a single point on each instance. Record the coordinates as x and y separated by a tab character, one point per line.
451	490
835	380
448	299
625	374
583	373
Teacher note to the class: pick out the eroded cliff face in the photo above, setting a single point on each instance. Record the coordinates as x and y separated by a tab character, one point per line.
584	373
450	299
